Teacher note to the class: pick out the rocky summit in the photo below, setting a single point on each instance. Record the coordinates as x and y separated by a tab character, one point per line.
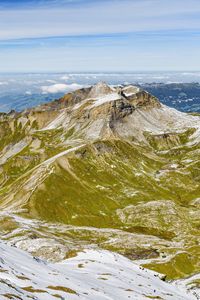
104	168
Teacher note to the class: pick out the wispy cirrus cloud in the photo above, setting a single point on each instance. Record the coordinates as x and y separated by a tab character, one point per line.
67	18
87	35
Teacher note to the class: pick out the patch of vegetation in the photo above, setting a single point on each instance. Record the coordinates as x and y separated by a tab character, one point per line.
62	289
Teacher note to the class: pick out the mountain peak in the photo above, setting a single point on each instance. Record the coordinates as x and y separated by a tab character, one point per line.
100	89
118	171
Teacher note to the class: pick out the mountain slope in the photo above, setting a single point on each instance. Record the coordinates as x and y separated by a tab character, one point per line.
104	166
90	275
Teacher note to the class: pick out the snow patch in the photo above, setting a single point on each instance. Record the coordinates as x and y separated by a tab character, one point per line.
93	274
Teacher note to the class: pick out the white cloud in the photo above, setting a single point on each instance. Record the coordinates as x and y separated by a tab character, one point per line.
3	83
60	88
28	93
50	81
65	77
159	35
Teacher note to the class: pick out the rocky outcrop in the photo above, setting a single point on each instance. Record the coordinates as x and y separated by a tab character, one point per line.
99	90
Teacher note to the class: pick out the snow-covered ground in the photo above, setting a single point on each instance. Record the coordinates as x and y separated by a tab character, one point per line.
92	274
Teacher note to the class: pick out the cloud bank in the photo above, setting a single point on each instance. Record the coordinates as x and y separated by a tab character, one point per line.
60	88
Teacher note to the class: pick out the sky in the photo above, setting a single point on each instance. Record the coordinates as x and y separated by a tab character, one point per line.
99	35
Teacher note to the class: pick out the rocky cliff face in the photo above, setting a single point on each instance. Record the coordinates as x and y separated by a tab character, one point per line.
113	168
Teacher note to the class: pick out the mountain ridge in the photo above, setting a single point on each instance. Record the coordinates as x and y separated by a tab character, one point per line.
112	162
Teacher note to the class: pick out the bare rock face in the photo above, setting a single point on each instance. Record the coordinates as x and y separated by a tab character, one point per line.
161	218
116	103
130	90
100	89
103	111
144	99
67	100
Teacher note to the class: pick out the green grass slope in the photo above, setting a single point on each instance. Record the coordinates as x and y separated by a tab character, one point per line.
139	198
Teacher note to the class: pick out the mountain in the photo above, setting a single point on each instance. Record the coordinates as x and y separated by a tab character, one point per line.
106	168
182	96
90	275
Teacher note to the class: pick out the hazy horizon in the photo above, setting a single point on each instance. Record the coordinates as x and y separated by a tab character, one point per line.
101	72
23	90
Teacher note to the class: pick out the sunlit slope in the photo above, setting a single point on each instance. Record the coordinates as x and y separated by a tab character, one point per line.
89	183
108	158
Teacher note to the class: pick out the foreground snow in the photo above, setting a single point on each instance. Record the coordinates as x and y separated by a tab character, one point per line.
91	275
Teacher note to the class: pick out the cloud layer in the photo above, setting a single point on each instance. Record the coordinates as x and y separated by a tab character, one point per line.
60	88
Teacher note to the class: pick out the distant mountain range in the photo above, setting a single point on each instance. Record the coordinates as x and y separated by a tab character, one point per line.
22	91
182	96
104	167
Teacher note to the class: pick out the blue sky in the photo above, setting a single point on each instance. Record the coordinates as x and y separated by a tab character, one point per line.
99	35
